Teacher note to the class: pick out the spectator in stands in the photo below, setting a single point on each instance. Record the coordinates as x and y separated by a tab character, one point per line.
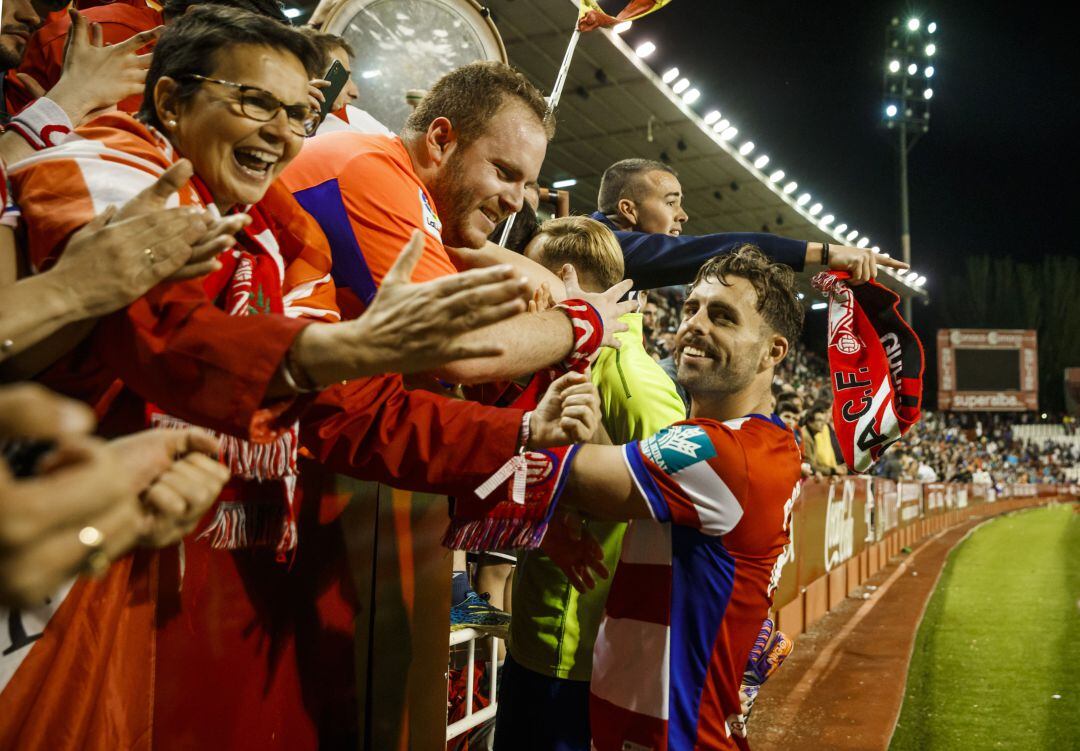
344	114
228	90
554	625
48	59
93	77
789	414
466	156
642	200
817	437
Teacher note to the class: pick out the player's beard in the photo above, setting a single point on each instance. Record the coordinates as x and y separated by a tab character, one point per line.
717	379
453	201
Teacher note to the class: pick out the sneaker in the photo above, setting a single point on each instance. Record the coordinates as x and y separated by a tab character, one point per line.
476	612
770	650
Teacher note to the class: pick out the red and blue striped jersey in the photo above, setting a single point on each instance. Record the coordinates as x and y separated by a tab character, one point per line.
693	584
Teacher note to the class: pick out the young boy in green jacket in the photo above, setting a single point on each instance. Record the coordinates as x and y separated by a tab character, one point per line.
554	626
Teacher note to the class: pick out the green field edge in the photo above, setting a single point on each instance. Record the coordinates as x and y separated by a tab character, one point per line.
914	731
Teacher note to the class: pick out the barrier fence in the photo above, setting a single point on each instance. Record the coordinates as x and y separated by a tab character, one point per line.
845	530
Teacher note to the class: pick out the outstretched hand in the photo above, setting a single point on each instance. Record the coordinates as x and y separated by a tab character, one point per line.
411	327
606	303
96	76
862	263
573	549
569	412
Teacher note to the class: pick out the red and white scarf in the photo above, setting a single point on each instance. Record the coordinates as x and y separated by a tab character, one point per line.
249	283
876	367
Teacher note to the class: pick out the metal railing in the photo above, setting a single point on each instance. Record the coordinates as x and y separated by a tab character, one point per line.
475	719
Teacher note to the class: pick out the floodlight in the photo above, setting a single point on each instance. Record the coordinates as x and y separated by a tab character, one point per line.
645	49
929	71
842	227
931	49
681	85
827	220
913	24
728	134
891	111
931	28
712	117
291	13
746	148
803	199
761	161
776	176
815	209
894	66
568	183
619	28
819	306
691	96
928	93
852	235
912	69
790	187
863	242
670	75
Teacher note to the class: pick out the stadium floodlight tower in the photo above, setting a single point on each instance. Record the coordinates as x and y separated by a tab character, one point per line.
908	88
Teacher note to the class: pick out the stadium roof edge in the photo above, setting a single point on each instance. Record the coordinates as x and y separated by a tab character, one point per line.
615	96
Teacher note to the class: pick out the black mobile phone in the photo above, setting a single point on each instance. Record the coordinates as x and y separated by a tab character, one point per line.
338	75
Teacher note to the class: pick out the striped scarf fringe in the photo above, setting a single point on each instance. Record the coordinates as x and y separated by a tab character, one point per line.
495	534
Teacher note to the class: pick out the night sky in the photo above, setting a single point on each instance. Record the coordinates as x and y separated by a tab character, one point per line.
996	172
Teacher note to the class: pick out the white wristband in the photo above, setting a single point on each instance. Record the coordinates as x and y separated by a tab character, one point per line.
43	124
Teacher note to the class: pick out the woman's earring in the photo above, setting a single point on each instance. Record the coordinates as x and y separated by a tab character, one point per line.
171	123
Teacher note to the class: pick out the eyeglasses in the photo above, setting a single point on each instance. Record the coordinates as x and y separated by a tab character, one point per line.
262	106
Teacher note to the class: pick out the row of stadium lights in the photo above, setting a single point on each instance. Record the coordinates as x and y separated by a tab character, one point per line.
682	87
891	110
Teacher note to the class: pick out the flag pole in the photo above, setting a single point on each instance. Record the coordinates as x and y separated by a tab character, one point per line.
553	102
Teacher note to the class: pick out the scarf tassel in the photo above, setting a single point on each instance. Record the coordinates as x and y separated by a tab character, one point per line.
238	525
495	534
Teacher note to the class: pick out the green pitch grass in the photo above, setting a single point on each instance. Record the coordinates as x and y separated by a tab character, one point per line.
997	657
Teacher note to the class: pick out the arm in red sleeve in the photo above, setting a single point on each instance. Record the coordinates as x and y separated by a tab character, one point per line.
374	429
174	348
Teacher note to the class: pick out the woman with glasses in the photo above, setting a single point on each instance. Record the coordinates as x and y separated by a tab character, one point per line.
197	646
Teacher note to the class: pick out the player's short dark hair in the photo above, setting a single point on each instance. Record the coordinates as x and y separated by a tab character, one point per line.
471	95
193	43
774	283
268	8
623	180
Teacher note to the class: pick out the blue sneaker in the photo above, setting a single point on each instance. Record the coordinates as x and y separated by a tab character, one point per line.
476	612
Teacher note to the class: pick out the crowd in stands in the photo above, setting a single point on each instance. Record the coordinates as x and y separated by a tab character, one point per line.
943	447
216	273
